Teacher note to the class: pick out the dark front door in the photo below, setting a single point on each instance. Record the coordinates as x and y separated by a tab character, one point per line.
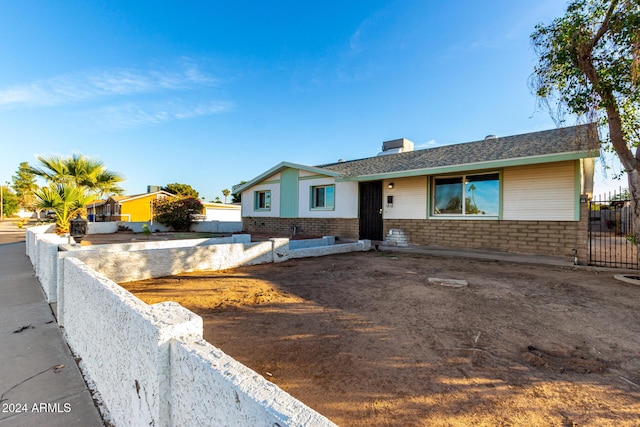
371	210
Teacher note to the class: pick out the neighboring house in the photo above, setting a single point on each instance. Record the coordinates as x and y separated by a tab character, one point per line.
94	207
136	208
524	193
222	212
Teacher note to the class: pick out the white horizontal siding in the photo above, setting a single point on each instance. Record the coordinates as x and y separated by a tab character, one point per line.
409	198
543	192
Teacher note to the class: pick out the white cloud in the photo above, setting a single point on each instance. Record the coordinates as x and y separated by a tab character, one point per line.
132	115
429	144
97	84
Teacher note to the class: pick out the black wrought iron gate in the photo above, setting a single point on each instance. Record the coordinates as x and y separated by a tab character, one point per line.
611	242
371	210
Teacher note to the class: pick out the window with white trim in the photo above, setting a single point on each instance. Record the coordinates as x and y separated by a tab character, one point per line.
262	200
467	195
323	197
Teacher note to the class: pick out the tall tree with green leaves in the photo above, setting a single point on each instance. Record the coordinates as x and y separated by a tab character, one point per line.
589	66
9	202
25	186
184	190
226	193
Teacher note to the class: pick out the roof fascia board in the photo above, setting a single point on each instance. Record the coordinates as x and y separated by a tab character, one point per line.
279	167
522	161
140	196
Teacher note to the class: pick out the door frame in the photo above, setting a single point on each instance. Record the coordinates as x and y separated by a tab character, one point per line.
370	212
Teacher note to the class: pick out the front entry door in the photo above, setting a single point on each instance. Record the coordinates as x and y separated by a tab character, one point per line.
371	210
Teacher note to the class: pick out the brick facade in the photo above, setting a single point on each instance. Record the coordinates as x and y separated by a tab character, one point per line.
342	228
553	238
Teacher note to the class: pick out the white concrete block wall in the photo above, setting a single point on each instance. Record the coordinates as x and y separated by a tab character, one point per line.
360	246
143	244
149	263
46	266
102	227
53	271
229	393
280	249
217	226
123	344
131	353
310	243
145	376
32	234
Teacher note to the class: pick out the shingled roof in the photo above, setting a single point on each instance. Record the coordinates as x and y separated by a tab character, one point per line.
579	141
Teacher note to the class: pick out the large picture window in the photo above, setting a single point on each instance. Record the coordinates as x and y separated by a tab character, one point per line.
323	197
469	195
262	200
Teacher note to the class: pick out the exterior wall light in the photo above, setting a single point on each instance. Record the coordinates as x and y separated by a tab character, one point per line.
390	185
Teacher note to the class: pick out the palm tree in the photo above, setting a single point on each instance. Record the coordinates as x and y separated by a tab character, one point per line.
80	171
65	200
226	193
76	180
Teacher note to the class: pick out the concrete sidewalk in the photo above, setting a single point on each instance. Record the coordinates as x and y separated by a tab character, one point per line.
40	383
482	254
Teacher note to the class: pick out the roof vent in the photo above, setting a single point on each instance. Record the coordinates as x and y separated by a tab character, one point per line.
153	188
395	146
341	160
490	137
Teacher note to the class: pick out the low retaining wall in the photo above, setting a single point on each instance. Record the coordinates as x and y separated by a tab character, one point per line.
311	243
43	249
217	226
151	366
233	395
31	237
360	246
102	227
149	259
143	244
198	226
149	263
149	363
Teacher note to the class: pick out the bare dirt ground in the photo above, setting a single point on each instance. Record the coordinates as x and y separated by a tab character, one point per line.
366	340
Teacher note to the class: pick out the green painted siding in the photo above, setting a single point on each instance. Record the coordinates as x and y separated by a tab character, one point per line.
289	193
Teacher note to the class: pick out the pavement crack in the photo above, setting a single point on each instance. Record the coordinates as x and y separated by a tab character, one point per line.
55	368
22	328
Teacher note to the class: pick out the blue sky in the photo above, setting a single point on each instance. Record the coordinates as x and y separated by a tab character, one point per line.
212	93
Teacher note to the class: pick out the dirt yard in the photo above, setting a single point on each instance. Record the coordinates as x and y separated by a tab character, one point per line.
366	340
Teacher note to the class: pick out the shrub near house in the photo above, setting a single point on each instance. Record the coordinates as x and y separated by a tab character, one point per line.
177	213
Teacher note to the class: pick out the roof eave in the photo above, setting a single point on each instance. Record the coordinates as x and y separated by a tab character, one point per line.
469	167
139	196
